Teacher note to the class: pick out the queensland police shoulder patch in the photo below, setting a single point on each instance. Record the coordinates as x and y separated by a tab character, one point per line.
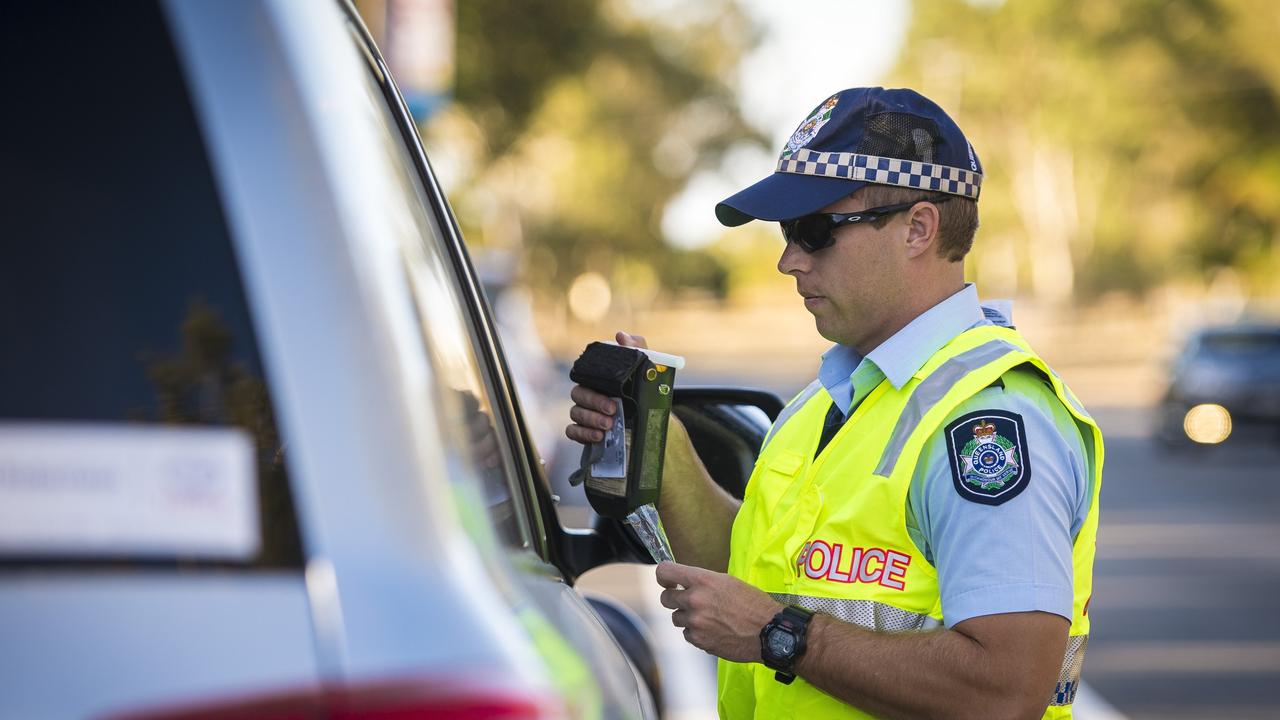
987	450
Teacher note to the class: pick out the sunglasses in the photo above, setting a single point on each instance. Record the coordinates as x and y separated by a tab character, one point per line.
817	231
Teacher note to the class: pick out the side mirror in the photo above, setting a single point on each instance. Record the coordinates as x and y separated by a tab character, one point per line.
727	427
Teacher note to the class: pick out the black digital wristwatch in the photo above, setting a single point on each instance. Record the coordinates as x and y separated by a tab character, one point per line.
782	641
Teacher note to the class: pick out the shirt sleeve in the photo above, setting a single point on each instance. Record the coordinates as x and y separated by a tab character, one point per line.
997	555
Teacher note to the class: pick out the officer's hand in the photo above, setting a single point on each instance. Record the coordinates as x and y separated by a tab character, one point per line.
626	339
592	412
719	613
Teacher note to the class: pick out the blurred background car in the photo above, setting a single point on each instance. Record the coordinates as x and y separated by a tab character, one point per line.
1224	381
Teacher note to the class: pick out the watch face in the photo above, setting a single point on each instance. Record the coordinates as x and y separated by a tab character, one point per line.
781	643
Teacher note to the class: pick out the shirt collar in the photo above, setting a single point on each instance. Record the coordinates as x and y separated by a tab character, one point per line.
907	350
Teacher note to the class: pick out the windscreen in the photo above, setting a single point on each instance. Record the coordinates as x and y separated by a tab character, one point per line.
1241	344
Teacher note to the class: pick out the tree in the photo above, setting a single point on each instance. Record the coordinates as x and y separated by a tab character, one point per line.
205	385
572	130
1125	144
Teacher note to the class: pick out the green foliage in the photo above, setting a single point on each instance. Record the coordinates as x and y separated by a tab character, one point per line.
204	385
696	269
587	118
1152	124
509	54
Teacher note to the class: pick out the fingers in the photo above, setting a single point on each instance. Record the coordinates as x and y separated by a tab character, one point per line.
590	418
593	412
673	574
586	436
664	575
592	400
592	415
670	598
680	618
630	340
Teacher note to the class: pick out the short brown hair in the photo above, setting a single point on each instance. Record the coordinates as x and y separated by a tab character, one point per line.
957	217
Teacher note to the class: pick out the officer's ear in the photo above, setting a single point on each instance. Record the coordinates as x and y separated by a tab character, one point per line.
923	220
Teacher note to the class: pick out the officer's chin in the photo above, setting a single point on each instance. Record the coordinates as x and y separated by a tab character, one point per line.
829	333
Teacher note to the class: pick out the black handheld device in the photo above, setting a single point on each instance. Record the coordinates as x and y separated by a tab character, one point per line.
624	471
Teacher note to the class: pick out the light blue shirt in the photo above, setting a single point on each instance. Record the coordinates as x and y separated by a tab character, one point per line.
1012	557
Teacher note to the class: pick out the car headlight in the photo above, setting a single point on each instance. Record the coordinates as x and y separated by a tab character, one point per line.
1207	424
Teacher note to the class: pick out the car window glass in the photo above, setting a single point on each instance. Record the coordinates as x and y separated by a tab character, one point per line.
476	430
1241	344
124	318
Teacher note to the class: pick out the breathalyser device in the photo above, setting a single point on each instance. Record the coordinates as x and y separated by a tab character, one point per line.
622	474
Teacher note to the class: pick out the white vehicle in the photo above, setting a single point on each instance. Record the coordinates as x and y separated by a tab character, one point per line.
260	455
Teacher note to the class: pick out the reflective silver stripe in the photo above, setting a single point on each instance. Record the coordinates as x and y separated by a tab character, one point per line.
1072	663
1071	397
792	408
887	618
930	393
865	613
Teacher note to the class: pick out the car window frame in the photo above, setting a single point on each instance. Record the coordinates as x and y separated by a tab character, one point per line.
534	499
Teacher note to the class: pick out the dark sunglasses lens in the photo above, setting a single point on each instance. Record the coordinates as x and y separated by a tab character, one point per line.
811	232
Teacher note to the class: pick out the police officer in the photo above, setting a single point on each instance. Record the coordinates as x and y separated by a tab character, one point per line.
917	537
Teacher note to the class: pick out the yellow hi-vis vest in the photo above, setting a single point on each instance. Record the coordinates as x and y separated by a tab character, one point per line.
829	533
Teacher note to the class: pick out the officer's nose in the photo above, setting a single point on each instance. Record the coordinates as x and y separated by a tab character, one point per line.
793	260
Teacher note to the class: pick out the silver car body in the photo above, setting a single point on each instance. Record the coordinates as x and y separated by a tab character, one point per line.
339	242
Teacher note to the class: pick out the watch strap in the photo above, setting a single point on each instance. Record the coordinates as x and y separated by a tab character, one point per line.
794	620
796	614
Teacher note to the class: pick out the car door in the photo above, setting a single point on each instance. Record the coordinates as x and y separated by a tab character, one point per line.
149	539
454	316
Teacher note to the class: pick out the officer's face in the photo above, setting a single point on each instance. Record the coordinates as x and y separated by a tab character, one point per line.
852	286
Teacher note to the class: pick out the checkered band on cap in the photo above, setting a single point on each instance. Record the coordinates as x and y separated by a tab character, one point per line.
884	171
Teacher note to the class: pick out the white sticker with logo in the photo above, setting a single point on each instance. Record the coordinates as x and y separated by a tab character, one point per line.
133	491
613	454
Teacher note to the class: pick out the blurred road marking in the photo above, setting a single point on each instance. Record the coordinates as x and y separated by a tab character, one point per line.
1089	705
1128	541
1174	656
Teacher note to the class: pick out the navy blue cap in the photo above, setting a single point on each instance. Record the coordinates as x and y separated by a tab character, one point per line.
857	137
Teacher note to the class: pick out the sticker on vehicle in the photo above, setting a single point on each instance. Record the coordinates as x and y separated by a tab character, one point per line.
92	490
